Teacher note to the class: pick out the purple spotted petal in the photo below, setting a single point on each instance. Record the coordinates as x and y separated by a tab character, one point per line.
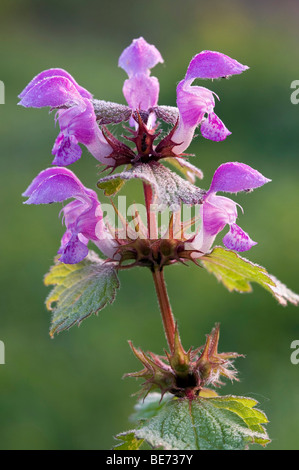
213	128
141	91
56	186
211	64
74	251
234	177
64	241
66	150
52	91
139	57
238	240
55	73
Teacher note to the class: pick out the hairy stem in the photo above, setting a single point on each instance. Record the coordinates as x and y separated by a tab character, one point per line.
151	215
158	276
166	312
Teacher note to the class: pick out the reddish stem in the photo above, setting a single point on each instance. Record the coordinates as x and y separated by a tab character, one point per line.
167	316
151	216
166	312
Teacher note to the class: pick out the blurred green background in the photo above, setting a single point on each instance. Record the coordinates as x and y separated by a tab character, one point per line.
67	393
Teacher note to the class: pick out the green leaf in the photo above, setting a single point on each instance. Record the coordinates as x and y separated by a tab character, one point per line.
221	423
129	442
111	187
169	188
237	273
80	290
150	406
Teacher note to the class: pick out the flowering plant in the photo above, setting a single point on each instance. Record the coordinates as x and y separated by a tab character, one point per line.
84	282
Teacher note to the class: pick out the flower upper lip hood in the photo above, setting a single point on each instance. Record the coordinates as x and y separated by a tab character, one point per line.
139	57
47	74
212	64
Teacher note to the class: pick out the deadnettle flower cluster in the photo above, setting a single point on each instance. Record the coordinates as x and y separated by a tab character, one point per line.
84	120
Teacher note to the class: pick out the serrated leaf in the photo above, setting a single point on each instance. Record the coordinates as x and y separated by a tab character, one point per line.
150	406
169	188
111	187
80	290
221	423
237	273
129	442
244	408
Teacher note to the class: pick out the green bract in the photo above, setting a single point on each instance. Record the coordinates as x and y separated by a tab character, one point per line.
80	290
237	273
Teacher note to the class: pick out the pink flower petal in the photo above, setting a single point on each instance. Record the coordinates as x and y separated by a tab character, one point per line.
139	57
193	103
74	251
54	186
238	240
66	150
141	91
217	211
211	64
233	177
53	91
213	128
55	73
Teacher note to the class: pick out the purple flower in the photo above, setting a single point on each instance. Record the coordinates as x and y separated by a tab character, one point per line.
218	211
76	116
83	217
140	90
196	104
